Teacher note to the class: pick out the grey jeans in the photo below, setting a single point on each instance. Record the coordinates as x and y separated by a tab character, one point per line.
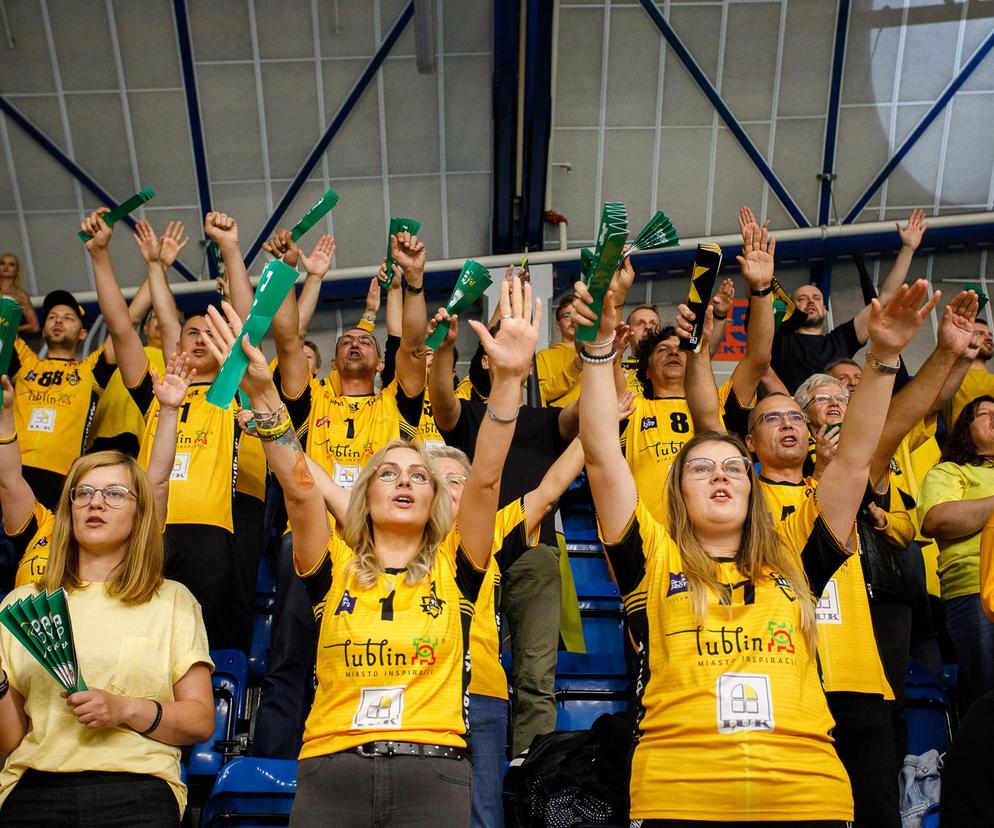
345	789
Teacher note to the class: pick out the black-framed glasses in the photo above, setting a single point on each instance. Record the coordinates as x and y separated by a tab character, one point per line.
703	468
113	496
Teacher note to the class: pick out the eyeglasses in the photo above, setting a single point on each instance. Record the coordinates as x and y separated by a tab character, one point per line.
113	496
390	473
564	315
821	399
702	468
775	418
348	339
455	479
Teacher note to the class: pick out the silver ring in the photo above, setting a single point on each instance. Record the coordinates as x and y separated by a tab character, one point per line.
508	316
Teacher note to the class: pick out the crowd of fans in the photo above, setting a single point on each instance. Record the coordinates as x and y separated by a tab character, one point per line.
770	538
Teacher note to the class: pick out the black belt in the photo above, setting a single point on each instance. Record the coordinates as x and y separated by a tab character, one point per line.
410	749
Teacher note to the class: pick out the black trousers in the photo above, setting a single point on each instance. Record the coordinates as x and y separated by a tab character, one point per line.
90	800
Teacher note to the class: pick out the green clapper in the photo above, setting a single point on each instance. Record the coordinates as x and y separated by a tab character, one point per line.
315	214
473	280
399	225
611	238
657	234
123	209
10	320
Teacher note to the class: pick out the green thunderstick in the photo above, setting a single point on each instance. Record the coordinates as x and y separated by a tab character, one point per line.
658	233
398	225
10	321
473	280
610	248
315	214
586	263
119	212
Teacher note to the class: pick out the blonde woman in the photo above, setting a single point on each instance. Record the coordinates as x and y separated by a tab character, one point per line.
10	285
732	724
102	756
385	742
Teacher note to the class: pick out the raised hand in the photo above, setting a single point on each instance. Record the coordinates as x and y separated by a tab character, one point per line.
148	243
170	388
911	234
893	327
747	217
95	225
282	246
684	324
8	391
756	261
826	447
221	229
172	242
436	320
626	405
373	295
320	259
585	316
721	302
408	252
224	331
510	352
381	276
956	327
623	278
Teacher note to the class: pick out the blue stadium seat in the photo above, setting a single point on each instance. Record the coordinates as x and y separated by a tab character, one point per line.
262	639
926	711
587	685
250	793
590	571
230	685
603	626
265	584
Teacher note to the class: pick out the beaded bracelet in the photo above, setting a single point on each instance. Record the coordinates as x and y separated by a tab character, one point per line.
597	359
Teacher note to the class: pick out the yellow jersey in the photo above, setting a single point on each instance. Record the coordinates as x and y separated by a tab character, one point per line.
427	430
978	382
732	723
117	412
252	468
393	660
847	647
202	483
32	542
54	402
559	379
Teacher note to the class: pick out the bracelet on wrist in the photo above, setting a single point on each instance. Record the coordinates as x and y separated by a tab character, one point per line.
764	292
604	342
269	419
719	317
4	685
155	722
268	435
412	289
493	415
597	359
6	441
874	362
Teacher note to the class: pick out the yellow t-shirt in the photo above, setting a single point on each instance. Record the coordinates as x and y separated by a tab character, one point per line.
653	437
489	678
202	483
923	459
847	647
117	413
32	541
392	661
559	380
54	401
978	382
427	430
139	651
959	558
732	720
252	469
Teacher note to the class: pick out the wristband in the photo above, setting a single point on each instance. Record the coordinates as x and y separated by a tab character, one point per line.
6	441
764	292
874	362
604	342
597	359
155	721
4	685
493	415
268	435
411	289
719	317
269	419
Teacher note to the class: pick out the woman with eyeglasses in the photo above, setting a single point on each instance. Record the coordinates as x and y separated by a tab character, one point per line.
732	725
955	501
394	589
108	755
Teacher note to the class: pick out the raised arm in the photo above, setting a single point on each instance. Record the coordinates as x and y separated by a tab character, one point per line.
409	253
336	499
756	263
395	304
841	489
702	396
445	406
510	355
294	370
304	504
316	266
721	304
159	254
911	236
128	350
170	391
17	501
611	481
222	229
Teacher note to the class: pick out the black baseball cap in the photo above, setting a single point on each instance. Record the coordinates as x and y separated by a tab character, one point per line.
60	297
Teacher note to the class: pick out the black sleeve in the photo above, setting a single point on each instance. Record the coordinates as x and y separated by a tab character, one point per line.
142	393
103	370
821	556
318	583
844	338
478	375
514	546
390	359
298	409
468	578
627	558
410	407
735	417
461	435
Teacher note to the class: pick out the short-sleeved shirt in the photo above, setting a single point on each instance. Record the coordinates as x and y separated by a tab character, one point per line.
31	543
959	558
559	380
139	650
427	429
534	448
117	413
797	356
392	659
732	722
54	403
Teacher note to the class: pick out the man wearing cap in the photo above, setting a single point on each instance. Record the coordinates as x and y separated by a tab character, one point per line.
55	397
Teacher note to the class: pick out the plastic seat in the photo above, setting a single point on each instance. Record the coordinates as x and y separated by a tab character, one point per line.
230	685
262	639
265	584
252	792
603	625
578	711
926	711
930	819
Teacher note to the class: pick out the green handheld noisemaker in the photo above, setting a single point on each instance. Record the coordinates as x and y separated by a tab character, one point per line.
473	280
611	238
707	263
586	263
783	305
42	625
315	214
276	282
119	212
10	320
59	605
978	289
657	234
398	225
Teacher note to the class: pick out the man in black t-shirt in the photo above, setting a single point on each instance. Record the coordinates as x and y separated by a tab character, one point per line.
531	590
801	348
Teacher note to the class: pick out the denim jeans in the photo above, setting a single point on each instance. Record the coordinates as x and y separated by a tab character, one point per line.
973	638
488	735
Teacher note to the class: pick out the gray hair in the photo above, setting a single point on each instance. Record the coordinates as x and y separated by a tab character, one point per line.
805	391
450	453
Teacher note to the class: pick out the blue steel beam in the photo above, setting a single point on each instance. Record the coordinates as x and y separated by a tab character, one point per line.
537	120
74	169
934	111
832	121
333	129
193	115
712	94
505	110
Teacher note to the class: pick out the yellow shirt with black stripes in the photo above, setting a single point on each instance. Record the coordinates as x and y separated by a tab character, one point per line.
32	543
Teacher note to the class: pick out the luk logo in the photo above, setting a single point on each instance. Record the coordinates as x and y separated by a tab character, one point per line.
647	423
678	584
744	703
347	604
828	611
379	708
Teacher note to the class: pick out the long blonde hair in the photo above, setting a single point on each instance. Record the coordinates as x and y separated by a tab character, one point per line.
760	548
139	574
358	530
16	285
